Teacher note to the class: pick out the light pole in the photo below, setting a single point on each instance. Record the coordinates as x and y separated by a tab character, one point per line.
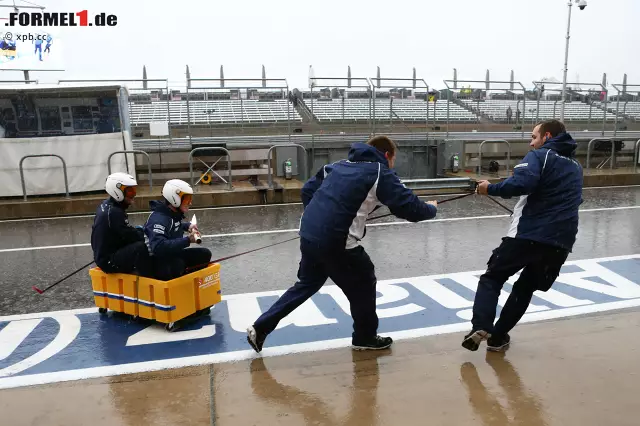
582	4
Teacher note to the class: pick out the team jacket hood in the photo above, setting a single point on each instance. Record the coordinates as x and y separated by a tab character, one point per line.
340	197
549	183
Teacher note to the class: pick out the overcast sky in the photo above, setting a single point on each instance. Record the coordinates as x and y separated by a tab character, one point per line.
287	36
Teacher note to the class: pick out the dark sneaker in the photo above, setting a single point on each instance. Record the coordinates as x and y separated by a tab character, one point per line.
472	340
373	344
255	339
498	343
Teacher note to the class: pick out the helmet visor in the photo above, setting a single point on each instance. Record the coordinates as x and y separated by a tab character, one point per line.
186	200
129	191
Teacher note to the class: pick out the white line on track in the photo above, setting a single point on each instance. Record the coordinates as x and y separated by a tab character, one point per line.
197	209
284	231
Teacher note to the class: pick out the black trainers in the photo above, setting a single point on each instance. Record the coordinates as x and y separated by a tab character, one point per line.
373	344
498	343
474	338
255	339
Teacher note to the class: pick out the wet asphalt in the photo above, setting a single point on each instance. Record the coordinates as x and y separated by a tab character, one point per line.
397	250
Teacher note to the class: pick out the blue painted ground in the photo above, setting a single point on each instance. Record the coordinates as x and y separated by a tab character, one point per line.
102	340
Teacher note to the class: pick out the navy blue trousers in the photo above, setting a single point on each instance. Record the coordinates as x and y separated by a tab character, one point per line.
351	270
541	263
188	260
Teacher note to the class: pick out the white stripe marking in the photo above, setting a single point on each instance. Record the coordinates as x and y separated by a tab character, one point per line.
69	329
14	333
285	231
157	334
117	370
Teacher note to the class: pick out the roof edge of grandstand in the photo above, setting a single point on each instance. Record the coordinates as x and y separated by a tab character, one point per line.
48	88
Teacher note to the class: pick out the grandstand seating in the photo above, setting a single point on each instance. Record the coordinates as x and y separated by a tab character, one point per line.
411	110
213	112
574	111
631	109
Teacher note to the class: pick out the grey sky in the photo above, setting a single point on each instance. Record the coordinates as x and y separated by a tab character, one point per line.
287	36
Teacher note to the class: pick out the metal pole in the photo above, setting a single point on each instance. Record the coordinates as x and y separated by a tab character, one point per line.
604	118
124	141
448	102
313	133
537	106
615	128
566	64
524	113
289	101
635	156
426	124
188	116
169	114
373	120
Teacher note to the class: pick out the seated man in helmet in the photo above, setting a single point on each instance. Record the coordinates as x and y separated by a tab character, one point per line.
164	234
117	246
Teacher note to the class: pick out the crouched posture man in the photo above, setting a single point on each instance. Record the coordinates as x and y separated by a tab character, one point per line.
337	202
164	234
542	233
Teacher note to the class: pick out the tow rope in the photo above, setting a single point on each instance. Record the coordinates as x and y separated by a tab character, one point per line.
267	246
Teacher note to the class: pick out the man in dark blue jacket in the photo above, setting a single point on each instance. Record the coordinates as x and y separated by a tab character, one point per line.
336	203
164	234
117	246
541	236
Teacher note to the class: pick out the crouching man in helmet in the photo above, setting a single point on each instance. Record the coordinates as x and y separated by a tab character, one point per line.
117	246
164	234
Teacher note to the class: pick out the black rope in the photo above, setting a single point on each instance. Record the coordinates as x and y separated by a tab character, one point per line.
439	202
500	204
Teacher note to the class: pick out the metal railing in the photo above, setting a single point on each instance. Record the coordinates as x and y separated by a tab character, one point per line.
64	169
440	183
134	151
494	141
636	156
207	149
269	159
613	151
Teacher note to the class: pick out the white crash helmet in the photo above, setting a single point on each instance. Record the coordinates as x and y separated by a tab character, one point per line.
117	183
174	190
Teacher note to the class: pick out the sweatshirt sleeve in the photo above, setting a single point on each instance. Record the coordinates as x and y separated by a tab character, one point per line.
160	243
525	179
402	202
312	185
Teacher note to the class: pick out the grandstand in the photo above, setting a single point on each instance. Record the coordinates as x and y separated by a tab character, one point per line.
410	110
496	110
628	109
209	112
213	112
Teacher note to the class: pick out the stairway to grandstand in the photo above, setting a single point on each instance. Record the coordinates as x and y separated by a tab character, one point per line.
628	110
574	111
